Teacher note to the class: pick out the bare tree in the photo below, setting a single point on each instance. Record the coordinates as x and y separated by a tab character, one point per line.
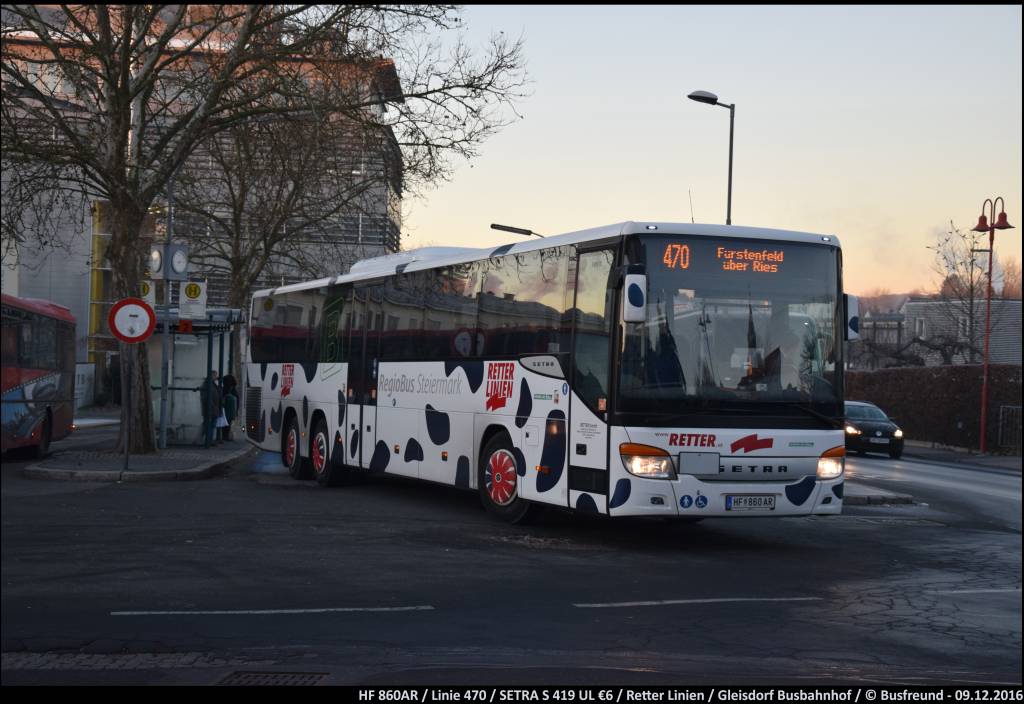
114	99
267	200
264	201
1011	279
961	289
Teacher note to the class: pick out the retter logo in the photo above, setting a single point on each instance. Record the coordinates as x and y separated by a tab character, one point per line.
751	443
500	378
287	379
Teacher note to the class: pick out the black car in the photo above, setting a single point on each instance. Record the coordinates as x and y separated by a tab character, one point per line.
868	429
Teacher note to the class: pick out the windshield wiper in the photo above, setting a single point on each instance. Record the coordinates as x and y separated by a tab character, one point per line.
714	410
833	422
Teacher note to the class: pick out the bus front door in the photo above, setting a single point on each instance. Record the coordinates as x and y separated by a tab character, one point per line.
588	429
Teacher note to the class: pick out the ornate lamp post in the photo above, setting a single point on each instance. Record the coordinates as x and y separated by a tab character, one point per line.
985	226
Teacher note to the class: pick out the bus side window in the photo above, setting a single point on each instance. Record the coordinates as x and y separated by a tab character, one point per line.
593	320
372	327
332	321
10	340
26	346
263	344
356	318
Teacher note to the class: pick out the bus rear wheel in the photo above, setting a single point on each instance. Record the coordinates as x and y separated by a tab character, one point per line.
498	483
327	470
298	466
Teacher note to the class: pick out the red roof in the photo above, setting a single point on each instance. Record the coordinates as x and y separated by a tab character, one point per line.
38	305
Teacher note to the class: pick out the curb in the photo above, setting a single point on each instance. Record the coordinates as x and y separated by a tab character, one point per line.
877	499
858	494
203	471
85	424
970	462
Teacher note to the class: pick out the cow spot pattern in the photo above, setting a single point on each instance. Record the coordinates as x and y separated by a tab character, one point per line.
800	492
439	426
381	457
462	473
525	404
621	494
585	504
413	451
553	454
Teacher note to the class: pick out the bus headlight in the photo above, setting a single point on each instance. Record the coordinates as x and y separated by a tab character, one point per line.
830	464
646	461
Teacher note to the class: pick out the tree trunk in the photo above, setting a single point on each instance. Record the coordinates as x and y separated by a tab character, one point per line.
126	262
239	298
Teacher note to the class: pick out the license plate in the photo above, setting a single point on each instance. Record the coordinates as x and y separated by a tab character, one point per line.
879	441
750	502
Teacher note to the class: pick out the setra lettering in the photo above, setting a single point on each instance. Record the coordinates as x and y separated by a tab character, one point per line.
755	468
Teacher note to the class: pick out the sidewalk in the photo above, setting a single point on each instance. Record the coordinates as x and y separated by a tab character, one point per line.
97	416
929	452
176	463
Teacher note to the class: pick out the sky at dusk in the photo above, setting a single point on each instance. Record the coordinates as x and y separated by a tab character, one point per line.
877	124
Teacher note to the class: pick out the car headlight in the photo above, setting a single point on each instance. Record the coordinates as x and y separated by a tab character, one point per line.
852	430
646	461
830	464
898	433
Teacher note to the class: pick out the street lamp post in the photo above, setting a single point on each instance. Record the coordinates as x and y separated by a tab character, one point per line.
990	225
703	96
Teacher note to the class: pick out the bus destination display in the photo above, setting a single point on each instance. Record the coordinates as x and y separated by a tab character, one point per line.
764	261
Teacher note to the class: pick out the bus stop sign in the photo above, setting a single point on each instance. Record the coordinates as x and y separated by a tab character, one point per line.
131	320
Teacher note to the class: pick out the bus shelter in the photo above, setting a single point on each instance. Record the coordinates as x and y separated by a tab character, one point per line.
196	348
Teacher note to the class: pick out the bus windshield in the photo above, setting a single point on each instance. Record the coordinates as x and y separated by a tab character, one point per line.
751	324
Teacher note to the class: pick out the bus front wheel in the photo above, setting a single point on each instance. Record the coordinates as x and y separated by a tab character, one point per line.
298	466
499	482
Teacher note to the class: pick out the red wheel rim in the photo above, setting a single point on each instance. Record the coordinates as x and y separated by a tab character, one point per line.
319	452
289	449
500	477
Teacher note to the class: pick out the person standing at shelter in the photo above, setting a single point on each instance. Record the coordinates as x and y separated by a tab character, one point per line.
210	397
230	404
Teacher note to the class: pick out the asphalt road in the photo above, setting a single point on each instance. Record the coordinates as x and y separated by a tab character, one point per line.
398	582
986	496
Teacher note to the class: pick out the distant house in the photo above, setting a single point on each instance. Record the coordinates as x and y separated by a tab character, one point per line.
926	331
882	337
944	332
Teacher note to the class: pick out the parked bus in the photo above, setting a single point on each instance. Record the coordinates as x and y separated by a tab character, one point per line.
38	377
638	369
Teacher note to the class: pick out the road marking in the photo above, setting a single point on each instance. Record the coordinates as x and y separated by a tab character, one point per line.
271	612
975	591
672	602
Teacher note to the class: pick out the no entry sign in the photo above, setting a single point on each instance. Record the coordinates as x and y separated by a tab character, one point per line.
131	320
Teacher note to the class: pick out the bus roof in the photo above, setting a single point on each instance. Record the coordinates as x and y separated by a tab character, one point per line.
430	257
39	306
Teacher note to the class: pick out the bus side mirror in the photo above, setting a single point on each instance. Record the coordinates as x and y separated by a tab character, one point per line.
634	299
852	316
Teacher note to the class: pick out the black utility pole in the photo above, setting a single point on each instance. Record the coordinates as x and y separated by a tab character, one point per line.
703	96
728	207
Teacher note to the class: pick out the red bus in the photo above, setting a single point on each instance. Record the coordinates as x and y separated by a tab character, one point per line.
38	378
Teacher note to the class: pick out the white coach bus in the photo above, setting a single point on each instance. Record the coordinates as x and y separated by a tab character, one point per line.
638	369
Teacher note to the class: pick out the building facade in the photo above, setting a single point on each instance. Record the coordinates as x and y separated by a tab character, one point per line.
71	267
